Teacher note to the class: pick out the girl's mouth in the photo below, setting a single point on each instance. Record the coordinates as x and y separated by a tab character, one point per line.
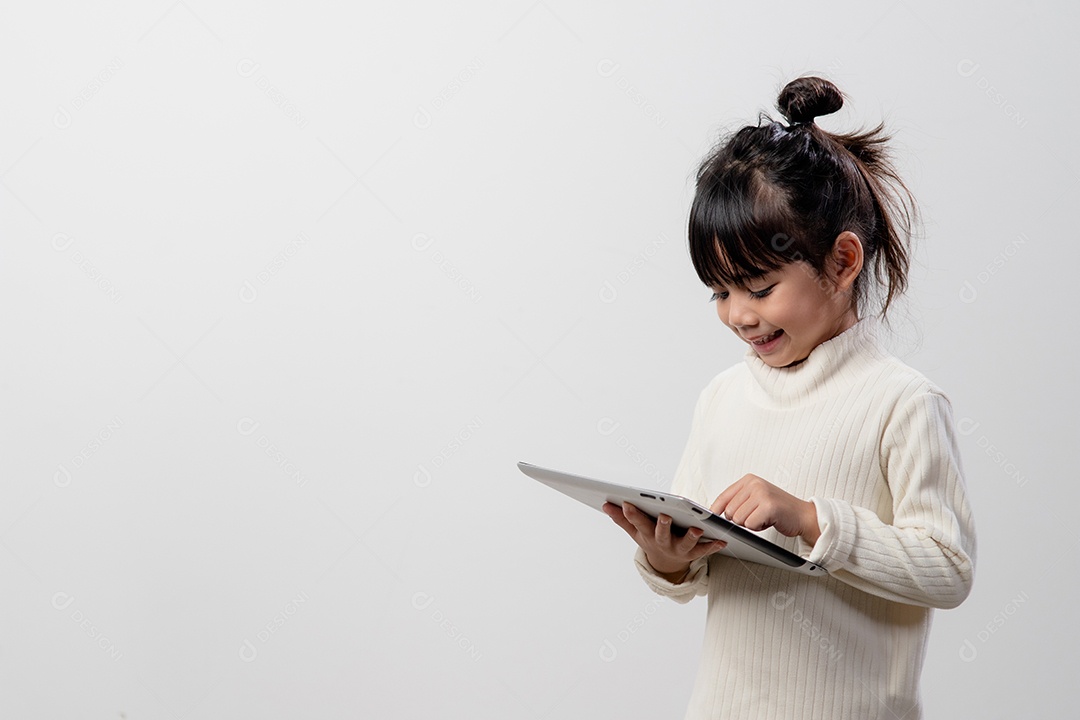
768	342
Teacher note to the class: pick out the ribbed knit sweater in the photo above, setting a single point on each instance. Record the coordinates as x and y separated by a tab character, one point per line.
872	443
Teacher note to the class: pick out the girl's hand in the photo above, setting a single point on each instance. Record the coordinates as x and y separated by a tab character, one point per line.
756	504
670	555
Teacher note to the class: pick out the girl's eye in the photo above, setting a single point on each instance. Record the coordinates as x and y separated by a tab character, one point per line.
723	294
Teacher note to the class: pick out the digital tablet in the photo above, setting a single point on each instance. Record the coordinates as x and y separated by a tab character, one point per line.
684	514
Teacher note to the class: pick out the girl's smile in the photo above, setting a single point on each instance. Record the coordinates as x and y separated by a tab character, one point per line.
765	344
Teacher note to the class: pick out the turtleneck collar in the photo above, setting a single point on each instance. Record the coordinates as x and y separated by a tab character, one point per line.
836	357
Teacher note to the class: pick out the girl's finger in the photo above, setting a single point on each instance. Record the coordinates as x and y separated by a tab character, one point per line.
722	500
741	514
759	519
663	530
707	548
690	541
739	507
719	504
615	513
640	520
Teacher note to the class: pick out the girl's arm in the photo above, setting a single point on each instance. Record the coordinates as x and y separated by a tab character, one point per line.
926	554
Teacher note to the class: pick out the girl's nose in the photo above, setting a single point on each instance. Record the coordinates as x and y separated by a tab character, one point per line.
739	311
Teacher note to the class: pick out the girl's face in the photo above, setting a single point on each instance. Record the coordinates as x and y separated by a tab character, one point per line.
787	313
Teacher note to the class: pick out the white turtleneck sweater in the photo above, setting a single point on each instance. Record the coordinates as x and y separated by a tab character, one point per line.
871	442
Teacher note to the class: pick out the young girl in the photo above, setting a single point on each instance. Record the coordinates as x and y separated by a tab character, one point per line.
821	439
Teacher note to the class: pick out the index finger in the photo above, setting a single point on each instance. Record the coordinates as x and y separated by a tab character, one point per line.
640	520
721	502
616	513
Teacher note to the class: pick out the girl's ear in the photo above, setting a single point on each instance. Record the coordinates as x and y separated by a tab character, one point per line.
847	259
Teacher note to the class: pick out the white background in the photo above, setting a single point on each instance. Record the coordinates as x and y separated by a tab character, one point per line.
289	288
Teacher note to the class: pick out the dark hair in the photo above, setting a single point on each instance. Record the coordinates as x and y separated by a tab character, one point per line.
773	194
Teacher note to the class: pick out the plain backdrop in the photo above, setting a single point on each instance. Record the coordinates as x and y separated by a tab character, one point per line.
289	288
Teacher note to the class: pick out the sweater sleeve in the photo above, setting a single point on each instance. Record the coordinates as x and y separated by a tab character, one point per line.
688	483
926	555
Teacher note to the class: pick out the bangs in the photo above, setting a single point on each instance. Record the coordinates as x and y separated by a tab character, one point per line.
737	230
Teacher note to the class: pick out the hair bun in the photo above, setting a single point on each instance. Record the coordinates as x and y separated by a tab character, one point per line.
806	98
